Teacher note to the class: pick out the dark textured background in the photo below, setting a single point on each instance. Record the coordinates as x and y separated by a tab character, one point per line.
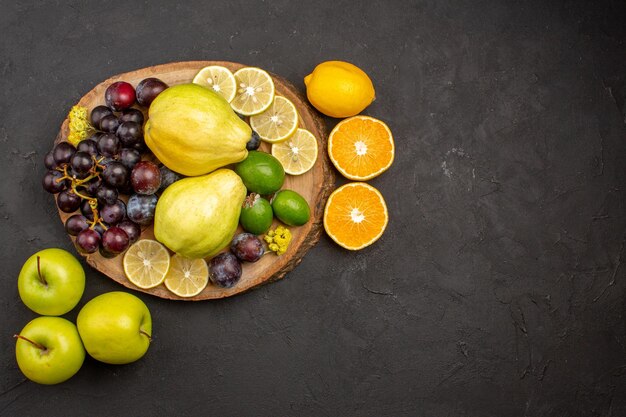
497	290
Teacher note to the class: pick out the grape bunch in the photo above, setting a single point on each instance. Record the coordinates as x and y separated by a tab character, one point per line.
92	177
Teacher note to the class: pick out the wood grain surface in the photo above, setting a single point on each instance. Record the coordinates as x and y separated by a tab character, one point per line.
314	186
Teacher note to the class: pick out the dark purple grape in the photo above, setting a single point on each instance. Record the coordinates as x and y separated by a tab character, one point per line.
129	157
109	145
85	210
145	178
132	229
119	95
109	123
88	241
76	224
132	115
168	177
115	240
106	254
106	194
140	208
129	134
140	146
98	113
99	228
49	161
51	184
247	247
79	175
115	174
224	270
113	213
105	160
63	152
68	202
89	146
81	162
254	142
148	89
127	188
91	187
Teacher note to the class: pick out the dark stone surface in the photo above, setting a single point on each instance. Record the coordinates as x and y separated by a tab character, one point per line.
499	286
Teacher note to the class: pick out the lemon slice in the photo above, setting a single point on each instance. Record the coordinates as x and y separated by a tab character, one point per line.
219	79
298	153
278	122
255	91
187	277
146	262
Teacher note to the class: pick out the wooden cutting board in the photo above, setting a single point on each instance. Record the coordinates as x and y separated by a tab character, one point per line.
314	186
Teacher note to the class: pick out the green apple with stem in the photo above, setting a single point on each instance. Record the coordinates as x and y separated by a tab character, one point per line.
115	327
49	350
51	282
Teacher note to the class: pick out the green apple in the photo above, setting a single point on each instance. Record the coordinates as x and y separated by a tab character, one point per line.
51	282
49	350
116	327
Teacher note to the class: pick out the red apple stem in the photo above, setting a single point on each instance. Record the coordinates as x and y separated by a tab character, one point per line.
146	334
41	278
37	345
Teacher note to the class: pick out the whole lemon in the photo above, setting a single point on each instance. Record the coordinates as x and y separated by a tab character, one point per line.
339	89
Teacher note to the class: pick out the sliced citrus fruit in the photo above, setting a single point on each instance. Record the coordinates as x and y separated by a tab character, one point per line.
255	91
361	147
146	262
278	122
219	79
298	153
355	215
187	277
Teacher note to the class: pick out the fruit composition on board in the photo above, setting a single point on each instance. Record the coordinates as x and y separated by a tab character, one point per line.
183	187
168	174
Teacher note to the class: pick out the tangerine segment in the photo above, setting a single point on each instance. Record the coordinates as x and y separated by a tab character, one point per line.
355	215
361	147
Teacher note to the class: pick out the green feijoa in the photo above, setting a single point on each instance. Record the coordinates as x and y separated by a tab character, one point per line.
256	214
261	173
291	208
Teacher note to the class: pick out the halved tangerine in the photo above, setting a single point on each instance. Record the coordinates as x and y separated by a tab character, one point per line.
355	215
361	147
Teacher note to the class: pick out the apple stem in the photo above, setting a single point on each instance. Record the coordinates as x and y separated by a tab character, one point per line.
41	278
146	334
37	345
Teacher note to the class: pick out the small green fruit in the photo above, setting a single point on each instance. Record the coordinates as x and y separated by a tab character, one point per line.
261	173
51	282
291	208
49	350
115	327
256	214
